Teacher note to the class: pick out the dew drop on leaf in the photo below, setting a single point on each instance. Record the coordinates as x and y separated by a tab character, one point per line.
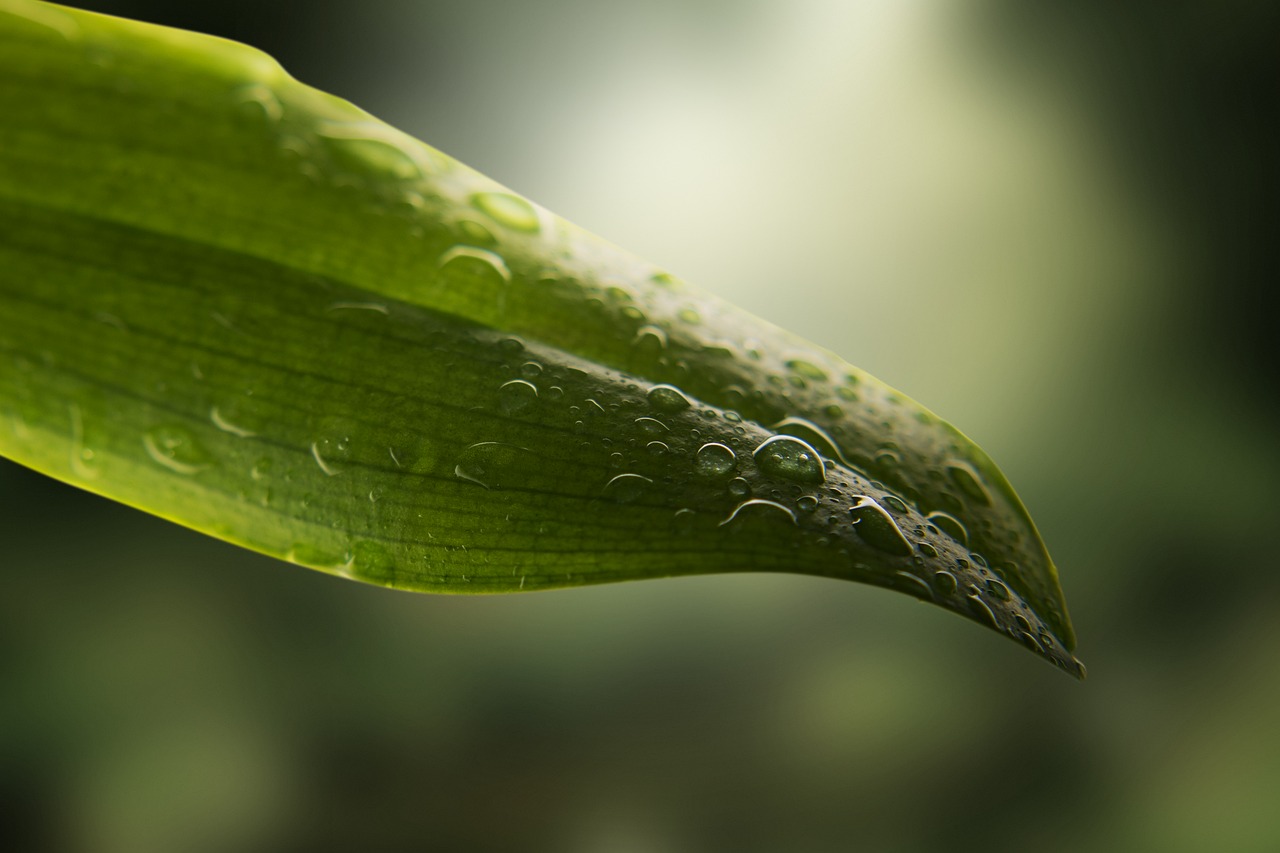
790	458
493	464
175	448
626	488
951	526
517	395
667	398
877	528
714	460
967	479
507	209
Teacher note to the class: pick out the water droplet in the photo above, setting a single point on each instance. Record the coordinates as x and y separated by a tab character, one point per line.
649	340
998	591
739	488
812	433
982	610
790	458
467	265
220	421
495	465
806	503
946	582
969	482
531	370
951	526
762	508
259	101
690	316
507	209
626	488
847	394
807	369
918	587
652	426
373	148
877	528
927	549
517	395
657	448
894	503
475	234
667	398
176	448
714	460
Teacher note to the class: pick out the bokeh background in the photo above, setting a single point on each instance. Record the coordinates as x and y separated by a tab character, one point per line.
1053	223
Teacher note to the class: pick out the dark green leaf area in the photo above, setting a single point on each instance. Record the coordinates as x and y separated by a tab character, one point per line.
394	444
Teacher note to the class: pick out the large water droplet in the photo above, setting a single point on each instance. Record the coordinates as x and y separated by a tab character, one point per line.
714	460
951	526
517	395
812	433
494	465
652	426
176	448
509	210
258	101
807	369
467	265
969	481
790	458
877	528
370	148
759	507
626	488
667	398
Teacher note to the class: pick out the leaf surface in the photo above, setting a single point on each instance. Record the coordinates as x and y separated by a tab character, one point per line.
249	307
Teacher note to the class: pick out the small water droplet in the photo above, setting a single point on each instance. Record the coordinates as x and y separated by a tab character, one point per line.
649	340
807	369
475	234
175	448
998	590
951	526
894	503
714	460
759	507
982	610
531	370
668	398
739	488
969	482
220	421
927	549
690	316
877	528
945	582
507	209
467	265
790	458
494	465
517	395
373	148
652	426
626	488
806	503
812	433
657	448
259	101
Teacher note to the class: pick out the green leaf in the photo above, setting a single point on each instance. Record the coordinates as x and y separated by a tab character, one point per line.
249	307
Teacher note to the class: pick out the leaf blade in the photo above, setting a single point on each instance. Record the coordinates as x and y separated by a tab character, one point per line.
413	349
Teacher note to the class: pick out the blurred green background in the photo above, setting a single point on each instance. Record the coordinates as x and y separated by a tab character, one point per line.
1051	223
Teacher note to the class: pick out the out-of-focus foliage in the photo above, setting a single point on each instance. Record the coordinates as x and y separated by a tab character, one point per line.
1057	197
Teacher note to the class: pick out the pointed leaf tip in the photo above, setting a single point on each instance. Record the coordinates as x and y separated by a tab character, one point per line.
307	333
